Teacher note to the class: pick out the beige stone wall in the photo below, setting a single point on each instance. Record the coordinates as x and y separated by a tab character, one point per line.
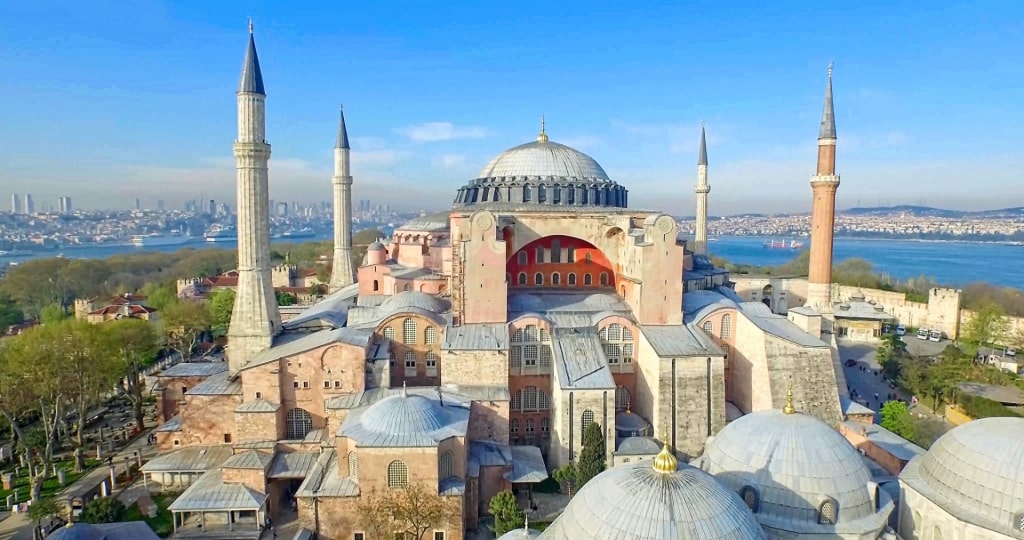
647	382
784	292
1015	328
205	420
262	382
487	368
491	483
488	420
748	366
254	478
811	371
570	428
373	466
262	426
683	402
375	279
483	288
172	394
338	516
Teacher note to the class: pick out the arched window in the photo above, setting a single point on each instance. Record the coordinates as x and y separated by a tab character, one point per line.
828	512
353	466
410	364
936	533
409	332
572	279
297	424
622	398
540	254
430	335
523	258
586	419
530	398
531	427
445	465
604	278
376	285
617	341
751	498
587	259
570	191
543	403
407	287
709	327
526	193
545	426
513	426
398	474
556	194
542	193
588	280
726	329
538	279
516	403
556	279
522	278
389	333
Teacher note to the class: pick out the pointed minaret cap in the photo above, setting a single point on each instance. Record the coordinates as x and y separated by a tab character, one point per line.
252	77
828	116
342	140
789	408
543	137
665	462
702	159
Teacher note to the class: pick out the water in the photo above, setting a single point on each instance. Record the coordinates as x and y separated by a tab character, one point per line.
950	263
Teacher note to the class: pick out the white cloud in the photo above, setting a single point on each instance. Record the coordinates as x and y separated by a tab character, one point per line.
449	161
581	142
441	131
679	138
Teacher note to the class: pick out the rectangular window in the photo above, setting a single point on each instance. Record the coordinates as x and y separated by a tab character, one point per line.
337	384
295	384
515	357
431	368
438	535
259	395
410	368
327	384
183	390
556	251
358	536
227	437
305	384
176	442
540	255
570	255
530	355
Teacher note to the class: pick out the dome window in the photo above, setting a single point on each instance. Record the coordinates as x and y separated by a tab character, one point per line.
828	512
398	474
751	498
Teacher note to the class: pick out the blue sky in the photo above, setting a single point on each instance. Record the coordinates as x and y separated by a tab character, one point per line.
107	101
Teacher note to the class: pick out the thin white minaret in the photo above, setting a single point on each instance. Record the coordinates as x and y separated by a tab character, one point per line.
342	274
700	240
255	318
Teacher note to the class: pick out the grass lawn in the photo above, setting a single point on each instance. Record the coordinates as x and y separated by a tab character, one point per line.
162	524
50	486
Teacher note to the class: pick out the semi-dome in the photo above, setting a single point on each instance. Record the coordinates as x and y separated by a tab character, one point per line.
407	420
77	531
542	172
404	300
796	473
654	499
975	472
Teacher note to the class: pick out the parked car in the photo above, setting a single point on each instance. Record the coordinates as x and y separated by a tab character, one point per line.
900	330
1011	351
850	362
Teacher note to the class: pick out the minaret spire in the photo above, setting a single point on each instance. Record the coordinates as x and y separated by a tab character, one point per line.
342	273
824	185
255	318
700	237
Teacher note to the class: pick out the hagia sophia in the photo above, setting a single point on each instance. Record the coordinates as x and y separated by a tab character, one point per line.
469	351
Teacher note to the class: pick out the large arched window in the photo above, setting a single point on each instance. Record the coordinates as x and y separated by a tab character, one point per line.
389	333
617	341
430	335
622	398
516	403
828	512
398	474
445	464
556	279
409	332
297	424
604	278
572	278
353	466
526	193
586	419
751	498
531	347
709	327
726	329
588	280
522	278
538	279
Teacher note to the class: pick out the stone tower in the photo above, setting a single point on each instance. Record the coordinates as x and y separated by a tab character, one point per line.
342	274
255	318
823	186
700	240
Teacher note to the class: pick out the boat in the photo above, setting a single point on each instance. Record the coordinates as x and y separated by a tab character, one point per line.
221	234
15	253
782	244
301	233
148	240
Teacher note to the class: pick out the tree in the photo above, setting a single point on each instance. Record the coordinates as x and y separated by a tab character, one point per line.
286	299
52	314
222	302
23	284
897	419
45	509
318	289
508	516
159	296
592	457
90	368
10	313
103	510
412	510
566	477
988	326
184	323
134	344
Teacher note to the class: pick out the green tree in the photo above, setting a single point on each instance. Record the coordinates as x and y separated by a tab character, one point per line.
988	327
103	510
184	323
10	313
566	477
508	516
45	509
52	314
318	289
286	299
592	457
158	295
24	284
133	345
91	369
897	419
222	302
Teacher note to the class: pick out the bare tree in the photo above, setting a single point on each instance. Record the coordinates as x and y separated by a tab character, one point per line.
411	511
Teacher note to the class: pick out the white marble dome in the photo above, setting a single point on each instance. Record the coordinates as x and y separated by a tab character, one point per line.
976	472
545	159
637	501
791	469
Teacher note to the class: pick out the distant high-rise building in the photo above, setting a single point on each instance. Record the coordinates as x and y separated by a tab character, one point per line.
15	204
30	207
211	207
64	204
138	204
160	205
282	209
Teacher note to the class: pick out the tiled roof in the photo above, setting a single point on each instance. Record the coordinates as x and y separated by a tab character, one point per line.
679	340
258	406
579	360
475	337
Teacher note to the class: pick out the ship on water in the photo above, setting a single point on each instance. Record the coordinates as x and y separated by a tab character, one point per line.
149	240
299	233
782	244
219	233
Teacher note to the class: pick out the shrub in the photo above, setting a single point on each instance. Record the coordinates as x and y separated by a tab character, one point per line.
103	510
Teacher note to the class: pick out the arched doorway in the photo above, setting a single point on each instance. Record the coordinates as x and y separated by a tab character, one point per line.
768	295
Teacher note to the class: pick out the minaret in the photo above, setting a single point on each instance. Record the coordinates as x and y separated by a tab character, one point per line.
700	240
823	185
342	274
255	318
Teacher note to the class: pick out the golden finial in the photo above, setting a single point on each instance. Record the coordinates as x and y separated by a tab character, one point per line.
250	25
789	409
543	137
665	462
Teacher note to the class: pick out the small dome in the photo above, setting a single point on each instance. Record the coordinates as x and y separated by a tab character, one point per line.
414	299
376	246
405	414
794	463
77	531
634	501
976	468
520	534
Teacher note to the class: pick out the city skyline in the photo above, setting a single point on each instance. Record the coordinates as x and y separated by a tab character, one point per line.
430	119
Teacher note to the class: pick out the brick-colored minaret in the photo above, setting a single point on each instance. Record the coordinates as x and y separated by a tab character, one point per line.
823	185
255	318
342	274
700	239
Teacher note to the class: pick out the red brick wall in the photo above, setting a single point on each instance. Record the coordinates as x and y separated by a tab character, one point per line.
597	264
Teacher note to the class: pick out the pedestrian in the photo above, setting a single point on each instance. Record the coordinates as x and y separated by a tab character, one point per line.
273	530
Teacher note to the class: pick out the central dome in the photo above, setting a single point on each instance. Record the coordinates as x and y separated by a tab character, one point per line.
545	173
545	159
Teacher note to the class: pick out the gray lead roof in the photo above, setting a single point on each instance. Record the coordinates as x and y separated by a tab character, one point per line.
342	140
252	77
702	158
828	116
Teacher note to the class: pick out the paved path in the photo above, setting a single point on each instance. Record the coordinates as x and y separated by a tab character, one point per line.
866	383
